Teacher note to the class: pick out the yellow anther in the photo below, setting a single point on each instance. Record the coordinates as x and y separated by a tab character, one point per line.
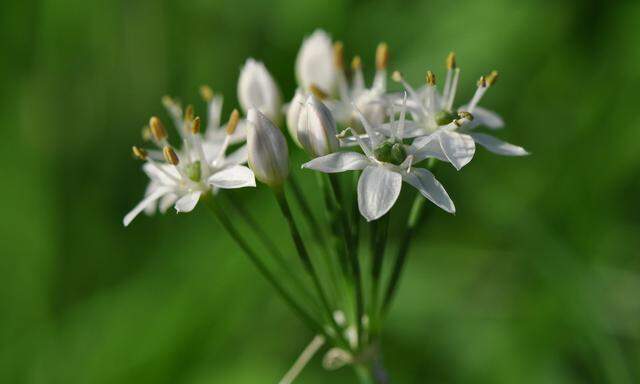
465	115
492	78
139	153
431	78
451	60
338	54
157	129
482	82
356	63
318	92
396	76
146	133
233	122
195	125
170	155
206	92
382	56
188	113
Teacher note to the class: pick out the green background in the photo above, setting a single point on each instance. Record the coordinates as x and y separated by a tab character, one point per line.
536	279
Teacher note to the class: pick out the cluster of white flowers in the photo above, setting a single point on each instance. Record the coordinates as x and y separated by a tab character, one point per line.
396	133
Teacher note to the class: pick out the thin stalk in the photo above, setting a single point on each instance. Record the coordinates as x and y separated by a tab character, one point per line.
306	261
352	254
307	212
262	268
380	243
262	236
335	223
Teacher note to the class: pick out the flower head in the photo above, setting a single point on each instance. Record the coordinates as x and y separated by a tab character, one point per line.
257	89
314	63
181	177
267	148
387	162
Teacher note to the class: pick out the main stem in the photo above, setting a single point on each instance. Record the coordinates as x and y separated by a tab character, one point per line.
379	245
306	261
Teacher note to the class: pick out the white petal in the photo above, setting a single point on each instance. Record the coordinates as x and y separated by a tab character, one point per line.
457	147
187	202
150	199
427	147
411	129
338	162
166	202
429	187
484	117
293	113
378	190
236	176
237	157
314	63
257	89
498	146
151	208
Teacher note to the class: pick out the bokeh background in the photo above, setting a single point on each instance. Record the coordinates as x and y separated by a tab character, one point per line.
536	279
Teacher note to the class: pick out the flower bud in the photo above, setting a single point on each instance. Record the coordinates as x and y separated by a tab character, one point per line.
317	128
267	147
293	112
315	62
257	89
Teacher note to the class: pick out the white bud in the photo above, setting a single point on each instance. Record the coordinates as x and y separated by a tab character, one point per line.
267	147
293	112
258	89
317	128
315	63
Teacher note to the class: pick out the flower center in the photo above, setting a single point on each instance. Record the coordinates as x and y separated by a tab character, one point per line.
391	151
193	171
445	117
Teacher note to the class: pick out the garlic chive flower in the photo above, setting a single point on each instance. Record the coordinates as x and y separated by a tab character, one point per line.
293	114
450	134
258	89
185	175
387	162
315	63
316	129
268	152
371	102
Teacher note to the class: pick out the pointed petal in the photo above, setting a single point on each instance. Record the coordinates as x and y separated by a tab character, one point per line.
457	147
314	63
166	202
427	147
236	176
498	146
484	117
338	162
378	190
150	199
187	202
429	187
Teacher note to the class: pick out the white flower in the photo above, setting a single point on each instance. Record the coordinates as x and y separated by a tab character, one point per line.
315	62
316	128
267	147
258	89
293	114
187	174
450	135
371	102
386	163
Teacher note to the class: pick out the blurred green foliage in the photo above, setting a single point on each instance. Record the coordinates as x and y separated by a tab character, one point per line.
535	279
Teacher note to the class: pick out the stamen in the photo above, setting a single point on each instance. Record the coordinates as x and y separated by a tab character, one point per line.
431	79
319	93
195	125
482	82
358	78
451	60
382	56
139	153
482	88
403	111
170	155
175	110
453	89
367	151
206	92
465	115
233	122
356	63
146	133
338	55
397	77
157	129
373	138
492	78
188	113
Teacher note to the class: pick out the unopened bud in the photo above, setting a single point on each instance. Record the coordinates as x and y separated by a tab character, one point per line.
268	155
170	155
206	92
293	113
451	60
233	122
317	128
258	89
338	54
356	63
431	78
157	129
139	153
382	56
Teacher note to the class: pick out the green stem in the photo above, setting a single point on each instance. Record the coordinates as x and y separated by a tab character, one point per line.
262	268
306	261
352	252
316	231
380	243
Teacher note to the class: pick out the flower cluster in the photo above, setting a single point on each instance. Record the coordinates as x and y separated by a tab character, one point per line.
387	137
